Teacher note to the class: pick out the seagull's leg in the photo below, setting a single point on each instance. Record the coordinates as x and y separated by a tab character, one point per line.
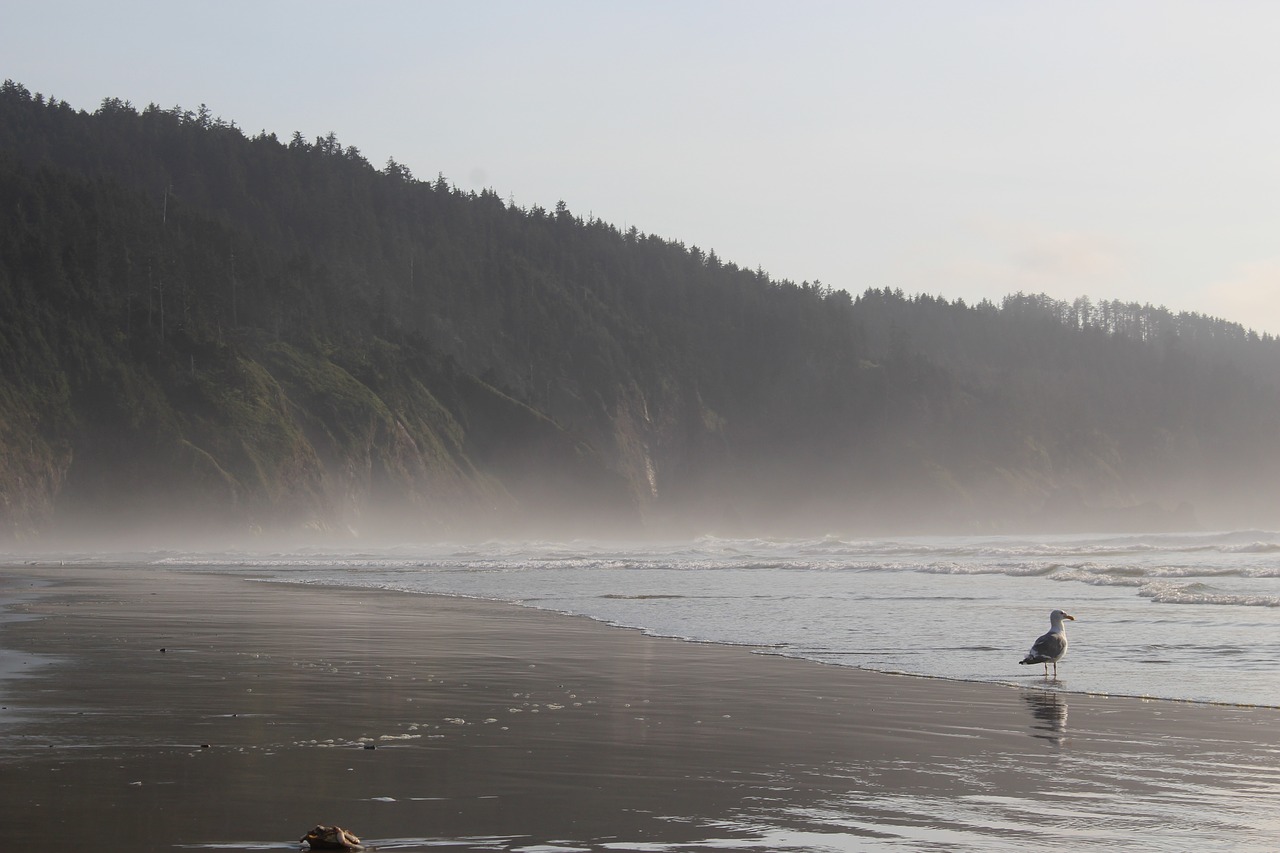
1055	670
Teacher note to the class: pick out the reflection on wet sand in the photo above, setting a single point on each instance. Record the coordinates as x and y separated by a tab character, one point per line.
1049	710
510	729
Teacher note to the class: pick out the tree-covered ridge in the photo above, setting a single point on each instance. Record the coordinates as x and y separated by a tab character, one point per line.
279	335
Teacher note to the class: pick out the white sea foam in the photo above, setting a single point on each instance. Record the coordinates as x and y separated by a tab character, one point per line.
1199	593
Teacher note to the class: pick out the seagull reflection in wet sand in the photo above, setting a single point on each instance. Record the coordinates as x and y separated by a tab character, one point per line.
1050	711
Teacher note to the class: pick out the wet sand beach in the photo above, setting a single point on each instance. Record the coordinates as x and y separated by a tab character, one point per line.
153	709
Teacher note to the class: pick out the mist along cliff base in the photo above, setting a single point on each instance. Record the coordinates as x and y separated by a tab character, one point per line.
234	333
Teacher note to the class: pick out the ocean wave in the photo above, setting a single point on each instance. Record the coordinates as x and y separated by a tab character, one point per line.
1198	593
958	568
1094	577
821	551
942	549
1253	548
1156	566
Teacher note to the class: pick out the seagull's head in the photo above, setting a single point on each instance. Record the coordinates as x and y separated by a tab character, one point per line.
1059	615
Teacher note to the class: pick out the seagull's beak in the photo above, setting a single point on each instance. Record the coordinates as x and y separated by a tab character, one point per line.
1068	616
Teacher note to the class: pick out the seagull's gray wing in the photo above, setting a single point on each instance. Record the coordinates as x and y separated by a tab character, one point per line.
1049	647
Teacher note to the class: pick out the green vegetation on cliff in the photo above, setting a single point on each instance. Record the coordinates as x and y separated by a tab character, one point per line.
201	330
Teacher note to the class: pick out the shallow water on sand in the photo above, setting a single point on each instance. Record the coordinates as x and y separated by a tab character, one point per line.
1177	616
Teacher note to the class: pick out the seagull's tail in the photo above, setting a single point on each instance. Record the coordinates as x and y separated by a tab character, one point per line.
1031	659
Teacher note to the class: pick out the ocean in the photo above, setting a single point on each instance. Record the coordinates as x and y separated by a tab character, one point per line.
1191	617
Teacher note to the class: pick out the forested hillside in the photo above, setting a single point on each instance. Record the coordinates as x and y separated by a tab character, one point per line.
208	333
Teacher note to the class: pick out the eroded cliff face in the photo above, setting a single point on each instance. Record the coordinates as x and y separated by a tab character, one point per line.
671	448
256	436
32	473
271	439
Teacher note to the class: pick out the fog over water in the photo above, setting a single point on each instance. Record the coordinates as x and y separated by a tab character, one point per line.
1177	616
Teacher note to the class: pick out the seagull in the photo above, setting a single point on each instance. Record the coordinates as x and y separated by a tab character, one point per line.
1050	648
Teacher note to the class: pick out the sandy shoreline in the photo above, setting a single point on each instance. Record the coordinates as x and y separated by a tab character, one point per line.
502	728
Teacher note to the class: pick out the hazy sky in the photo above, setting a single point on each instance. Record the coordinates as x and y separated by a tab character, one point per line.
968	148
